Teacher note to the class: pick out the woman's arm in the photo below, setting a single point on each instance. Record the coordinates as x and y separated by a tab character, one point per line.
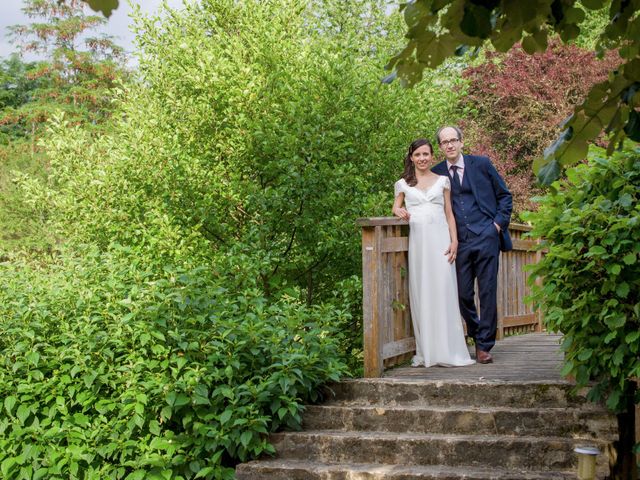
398	209
452	251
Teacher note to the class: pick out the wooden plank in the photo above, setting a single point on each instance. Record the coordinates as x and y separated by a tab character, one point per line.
404	273
394	314
386	300
399	320
398	317
399	347
538	257
519	227
380	221
514	294
523	308
372	348
500	297
381	300
519	320
384	254
523	245
534	357
395	244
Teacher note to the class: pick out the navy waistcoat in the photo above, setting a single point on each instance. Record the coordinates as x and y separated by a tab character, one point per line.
467	212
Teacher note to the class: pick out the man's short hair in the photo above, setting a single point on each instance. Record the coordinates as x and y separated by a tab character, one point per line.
458	132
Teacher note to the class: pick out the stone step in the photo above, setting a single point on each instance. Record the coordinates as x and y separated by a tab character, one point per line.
509	452
583	423
277	469
394	392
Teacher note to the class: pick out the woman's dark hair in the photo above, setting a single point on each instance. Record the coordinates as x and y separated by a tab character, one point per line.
409	173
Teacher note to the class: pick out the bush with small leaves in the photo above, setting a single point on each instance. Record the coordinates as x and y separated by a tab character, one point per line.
262	123
113	366
518	100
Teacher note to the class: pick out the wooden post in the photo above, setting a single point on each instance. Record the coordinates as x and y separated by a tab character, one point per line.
384	289
500	295
538	282
371	309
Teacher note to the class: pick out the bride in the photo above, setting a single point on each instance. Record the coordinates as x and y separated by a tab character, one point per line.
433	244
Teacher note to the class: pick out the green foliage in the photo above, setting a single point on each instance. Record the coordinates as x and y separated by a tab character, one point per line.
79	72
438	29
590	272
104	6
262	126
594	23
231	175
77	80
251	132
16	89
115	366
21	228
518	100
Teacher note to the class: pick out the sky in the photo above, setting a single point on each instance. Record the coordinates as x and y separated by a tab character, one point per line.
117	26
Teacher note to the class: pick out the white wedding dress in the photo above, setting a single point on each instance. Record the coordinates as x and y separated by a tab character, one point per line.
433	290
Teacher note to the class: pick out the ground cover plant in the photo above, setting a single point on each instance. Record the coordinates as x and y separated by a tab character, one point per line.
114	366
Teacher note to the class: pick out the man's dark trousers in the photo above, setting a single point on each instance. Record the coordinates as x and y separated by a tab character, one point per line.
478	258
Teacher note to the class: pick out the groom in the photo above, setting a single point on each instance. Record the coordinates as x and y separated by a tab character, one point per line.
482	208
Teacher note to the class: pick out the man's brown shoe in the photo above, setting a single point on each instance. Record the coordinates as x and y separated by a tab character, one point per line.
483	357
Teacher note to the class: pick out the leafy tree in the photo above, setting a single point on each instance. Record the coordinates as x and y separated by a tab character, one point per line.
438	29
77	80
206	283
591	27
250	127
16	88
516	101
18	227
589	224
104	6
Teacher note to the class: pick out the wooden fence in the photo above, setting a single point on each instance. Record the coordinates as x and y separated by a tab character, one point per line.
388	333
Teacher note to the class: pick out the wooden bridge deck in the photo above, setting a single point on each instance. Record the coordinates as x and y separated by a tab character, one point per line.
534	357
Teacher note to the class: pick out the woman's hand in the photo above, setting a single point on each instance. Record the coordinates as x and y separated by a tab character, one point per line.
402	213
452	251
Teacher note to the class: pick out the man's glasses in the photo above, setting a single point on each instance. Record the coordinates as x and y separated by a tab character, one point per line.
446	143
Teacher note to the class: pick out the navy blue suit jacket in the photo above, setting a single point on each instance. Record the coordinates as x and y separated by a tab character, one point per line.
489	190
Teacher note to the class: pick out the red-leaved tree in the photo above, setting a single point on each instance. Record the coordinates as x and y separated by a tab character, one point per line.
517	101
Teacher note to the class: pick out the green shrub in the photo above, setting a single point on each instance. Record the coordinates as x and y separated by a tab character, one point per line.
112	366
259	123
590	273
518	102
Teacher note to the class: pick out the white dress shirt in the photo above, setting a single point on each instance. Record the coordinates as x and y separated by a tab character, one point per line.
460	165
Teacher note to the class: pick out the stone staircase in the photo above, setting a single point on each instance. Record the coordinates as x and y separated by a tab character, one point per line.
404	429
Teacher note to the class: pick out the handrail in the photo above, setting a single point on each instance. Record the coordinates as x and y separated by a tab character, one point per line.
388	333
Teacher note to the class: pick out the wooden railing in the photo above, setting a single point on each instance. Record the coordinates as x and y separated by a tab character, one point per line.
388	333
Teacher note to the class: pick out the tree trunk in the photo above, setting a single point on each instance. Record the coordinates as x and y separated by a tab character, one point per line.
625	467
310	287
